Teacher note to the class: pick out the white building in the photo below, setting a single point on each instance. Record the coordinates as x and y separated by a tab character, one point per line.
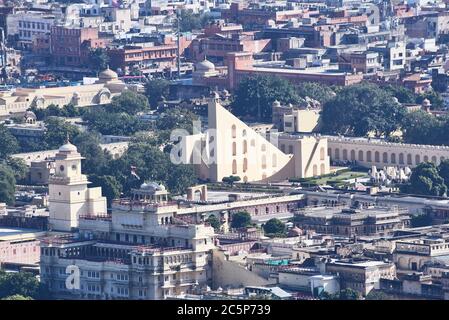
69	196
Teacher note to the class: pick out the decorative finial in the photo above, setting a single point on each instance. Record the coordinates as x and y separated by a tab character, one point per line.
67	139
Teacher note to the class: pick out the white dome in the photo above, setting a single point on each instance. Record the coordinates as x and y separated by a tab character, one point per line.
205	65
108	74
68	147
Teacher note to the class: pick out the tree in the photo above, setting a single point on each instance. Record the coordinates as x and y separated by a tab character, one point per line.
255	95
7	184
426	180
214	222
98	59
129	102
155	90
443	170
121	124
96	159
57	132
434	97
190	21
377	295
18	167
110	186
176	118
360	109
274	227
241	219
315	90
422	128
152	164
349	294
231	180
8	143
21	283
403	94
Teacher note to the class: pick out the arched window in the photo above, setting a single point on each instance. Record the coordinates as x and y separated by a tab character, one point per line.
393	158
409	159
441	159
352	155
368	156
426	158
264	161
322	154
245	164
245	146
417	159
234	131
376	156
385	157
360	155
244	133
434	160
337	154
315	170
401	158
345	154
234	148
234	167
322	169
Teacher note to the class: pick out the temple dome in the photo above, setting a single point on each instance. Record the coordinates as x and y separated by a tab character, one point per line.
68	147
205	66
108	75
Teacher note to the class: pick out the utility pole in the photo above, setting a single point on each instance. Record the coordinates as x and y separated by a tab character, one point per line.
178	56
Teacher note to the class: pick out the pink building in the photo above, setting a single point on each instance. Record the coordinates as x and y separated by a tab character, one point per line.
19	246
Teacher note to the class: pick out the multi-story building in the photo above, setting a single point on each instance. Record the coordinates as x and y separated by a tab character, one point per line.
145	58
101	92
24	26
349	221
362	276
70	46
140	251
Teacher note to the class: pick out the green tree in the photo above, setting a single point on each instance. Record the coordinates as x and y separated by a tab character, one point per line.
191	21
156	90
377	295
422	128
129	102
403	94
7	184
21	283
8	143
109	123
231	180
362	108
152	165
426	180
434	97
214	222
18	167
110	187
96	159
57	132
98	59
443	170
274	227
316	91
349	294
241	219
255	95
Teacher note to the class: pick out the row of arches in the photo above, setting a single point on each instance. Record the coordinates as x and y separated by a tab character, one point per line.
400	158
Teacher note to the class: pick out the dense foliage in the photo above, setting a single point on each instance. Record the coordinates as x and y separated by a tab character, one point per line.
241	219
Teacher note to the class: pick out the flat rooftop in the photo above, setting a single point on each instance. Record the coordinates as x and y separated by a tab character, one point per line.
10	233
